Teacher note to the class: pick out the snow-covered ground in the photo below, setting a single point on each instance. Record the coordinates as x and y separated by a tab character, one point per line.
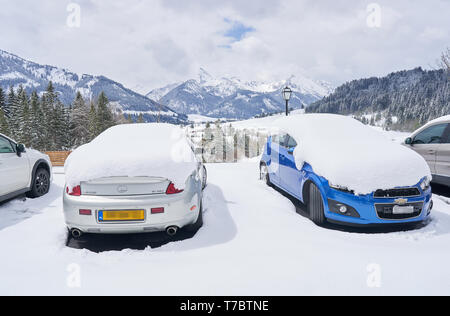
196	118
253	243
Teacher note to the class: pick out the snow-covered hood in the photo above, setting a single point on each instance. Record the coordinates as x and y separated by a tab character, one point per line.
133	150
350	154
35	155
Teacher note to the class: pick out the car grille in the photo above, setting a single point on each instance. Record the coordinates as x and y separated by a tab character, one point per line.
386	211
395	193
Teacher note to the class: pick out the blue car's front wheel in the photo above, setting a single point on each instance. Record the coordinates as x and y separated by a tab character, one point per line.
315	205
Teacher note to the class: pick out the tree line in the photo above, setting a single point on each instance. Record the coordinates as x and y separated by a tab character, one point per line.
413	97
44	123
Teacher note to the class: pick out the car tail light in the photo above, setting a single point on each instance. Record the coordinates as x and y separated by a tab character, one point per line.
76	191
158	210
85	212
172	190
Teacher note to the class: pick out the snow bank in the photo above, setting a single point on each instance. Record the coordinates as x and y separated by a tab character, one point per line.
134	150
350	154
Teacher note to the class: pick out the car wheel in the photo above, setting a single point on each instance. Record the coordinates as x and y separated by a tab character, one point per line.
204	178
315	205
199	223
264	174
41	183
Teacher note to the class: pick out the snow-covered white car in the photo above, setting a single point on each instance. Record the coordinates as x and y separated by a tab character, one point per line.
346	172
134	178
22	170
432	142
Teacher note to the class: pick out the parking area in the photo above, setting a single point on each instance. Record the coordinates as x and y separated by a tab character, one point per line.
254	242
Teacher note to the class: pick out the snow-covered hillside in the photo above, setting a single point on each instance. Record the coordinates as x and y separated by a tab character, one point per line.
232	98
15	71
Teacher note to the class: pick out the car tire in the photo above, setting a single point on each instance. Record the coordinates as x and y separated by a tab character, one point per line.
204	178
41	183
315	205
264	174
198	224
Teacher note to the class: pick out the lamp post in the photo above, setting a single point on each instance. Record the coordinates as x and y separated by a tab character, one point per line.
287	93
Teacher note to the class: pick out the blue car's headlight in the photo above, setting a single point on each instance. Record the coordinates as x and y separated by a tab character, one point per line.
425	184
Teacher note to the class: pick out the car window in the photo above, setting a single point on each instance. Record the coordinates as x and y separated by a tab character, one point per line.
291	142
283	140
431	135
5	146
280	139
446	138
275	139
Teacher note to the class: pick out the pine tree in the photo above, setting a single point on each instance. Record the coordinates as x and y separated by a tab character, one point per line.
59	126
4	127
25	120
92	122
44	140
79	116
37	122
56	129
129	119
105	117
66	139
17	118
13	107
3	104
140	119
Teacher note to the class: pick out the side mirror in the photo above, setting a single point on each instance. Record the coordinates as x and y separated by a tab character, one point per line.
291	151
20	148
409	141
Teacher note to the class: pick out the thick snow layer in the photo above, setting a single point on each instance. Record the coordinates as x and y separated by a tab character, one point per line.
252	243
440	119
349	154
134	150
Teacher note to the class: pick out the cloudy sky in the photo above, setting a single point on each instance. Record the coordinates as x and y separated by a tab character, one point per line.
147	44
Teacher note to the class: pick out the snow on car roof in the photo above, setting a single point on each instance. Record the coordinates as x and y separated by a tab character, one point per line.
445	118
348	153
134	150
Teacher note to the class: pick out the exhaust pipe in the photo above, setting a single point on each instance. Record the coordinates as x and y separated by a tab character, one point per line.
76	233
172	231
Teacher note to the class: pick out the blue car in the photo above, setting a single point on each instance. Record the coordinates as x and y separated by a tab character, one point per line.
327	202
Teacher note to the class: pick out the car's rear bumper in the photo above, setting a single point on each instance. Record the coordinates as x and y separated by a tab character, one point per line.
177	212
366	208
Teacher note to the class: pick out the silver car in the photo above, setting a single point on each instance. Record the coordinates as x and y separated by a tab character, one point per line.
121	205
432	142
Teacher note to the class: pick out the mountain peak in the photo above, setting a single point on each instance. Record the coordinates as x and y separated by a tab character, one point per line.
15	71
233	98
204	76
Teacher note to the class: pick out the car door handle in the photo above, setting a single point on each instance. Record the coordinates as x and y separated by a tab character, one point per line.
432	151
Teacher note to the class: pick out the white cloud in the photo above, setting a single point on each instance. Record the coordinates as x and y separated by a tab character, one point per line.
151	43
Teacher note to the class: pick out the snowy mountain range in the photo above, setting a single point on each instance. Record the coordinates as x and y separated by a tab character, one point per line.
236	99
15	71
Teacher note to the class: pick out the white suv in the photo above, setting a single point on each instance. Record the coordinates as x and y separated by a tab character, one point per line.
432	141
22	170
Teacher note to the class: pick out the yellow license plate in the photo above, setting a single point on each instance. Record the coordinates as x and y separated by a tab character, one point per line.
121	216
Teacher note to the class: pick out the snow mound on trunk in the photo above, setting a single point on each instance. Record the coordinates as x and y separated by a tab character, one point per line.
134	150
348	153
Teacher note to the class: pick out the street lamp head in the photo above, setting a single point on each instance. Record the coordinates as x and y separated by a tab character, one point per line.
287	93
